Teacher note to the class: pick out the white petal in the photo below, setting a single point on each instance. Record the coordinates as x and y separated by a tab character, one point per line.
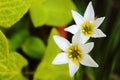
61	58
79	38
62	42
88	61
99	21
76	37
89	12
72	29
98	33
86	48
83	39
77	17
72	68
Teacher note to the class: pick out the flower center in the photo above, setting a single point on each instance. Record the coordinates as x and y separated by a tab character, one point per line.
87	28
75	53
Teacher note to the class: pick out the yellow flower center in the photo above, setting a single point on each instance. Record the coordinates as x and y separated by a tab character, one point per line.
87	28
75	54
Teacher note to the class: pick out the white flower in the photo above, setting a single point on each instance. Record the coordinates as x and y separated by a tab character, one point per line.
87	24
74	53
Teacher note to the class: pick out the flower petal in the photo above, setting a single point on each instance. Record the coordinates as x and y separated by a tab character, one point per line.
77	17
79	38
88	61
72	29
76	37
87	47
62	42
99	21
61	58
72	68
89	12
98	33
83	39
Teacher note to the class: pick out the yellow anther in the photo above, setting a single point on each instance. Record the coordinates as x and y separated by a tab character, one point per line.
83	30
78	57
70	56
74	60
69	50
79	52
75	48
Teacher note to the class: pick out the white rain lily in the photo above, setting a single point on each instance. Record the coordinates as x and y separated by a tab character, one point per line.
88	24
74	53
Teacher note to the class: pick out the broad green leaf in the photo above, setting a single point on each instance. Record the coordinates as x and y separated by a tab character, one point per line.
51	12
59	12
4	50
46	70
18	39
34	47
38	13
11	64
11	69
12	10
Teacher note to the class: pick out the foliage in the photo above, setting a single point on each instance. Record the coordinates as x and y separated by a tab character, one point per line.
33	47
12	10
12	63
51	12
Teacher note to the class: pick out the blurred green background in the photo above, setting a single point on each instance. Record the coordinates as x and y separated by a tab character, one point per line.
27	48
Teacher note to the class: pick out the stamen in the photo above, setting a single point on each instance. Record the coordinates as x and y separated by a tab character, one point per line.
78	57
75	48
69	51
70	56
87	28
75	54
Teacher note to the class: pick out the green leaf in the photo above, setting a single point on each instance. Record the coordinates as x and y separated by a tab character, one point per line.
38	13
12	63
51	12
34	47
59	12
18	39
46	70
4	50
10	69
12	10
